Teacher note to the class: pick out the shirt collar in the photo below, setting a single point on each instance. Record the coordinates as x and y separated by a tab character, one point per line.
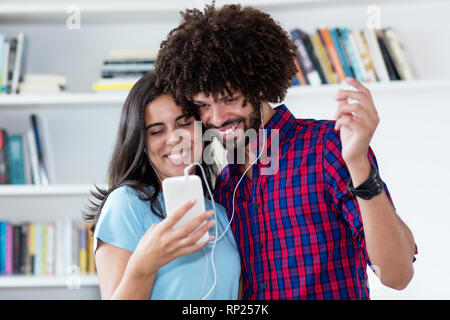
283	122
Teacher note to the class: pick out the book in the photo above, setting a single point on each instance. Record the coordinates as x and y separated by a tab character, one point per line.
358	56
5	64
2	54
15	159
332	53
82	258
37	270
31	243
341	53
323	59
133	54
9	249
17	247
18	65
43	177
90	250
3	225
304	59
49	249
366	57
300	74
350	53
390	66
314	58
33	155
114	84
377	57
11	62
398	54
4	158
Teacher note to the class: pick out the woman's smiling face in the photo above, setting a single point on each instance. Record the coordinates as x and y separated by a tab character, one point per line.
170	137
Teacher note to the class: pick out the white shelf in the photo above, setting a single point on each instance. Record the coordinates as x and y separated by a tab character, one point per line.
379	87
58	99
51	190
30	281
109	99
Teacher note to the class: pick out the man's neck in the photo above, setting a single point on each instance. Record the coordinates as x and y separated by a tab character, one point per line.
250	156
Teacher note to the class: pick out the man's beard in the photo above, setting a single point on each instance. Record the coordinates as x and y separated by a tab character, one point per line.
237	147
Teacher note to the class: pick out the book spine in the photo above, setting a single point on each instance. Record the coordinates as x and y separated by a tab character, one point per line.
300	74
358	56
333	55
32	250
398	53
340	52
314	58
304	59
375	51
34	162
9	249
365	55
31	243
68	246
2	54
23	248
18	61
4	159
138	67
3	225
83	250
392	71
323	58
38	253
11	60
122	74
90	250
50	256
37	136
351	54
5	62
17	254
16	163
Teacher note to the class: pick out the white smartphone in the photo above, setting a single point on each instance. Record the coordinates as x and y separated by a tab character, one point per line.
179	190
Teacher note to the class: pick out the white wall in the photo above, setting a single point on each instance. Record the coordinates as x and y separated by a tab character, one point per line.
412	149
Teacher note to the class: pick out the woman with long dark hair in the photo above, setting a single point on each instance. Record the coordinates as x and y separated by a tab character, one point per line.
138	253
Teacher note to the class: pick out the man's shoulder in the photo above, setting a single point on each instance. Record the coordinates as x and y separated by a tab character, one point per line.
313	129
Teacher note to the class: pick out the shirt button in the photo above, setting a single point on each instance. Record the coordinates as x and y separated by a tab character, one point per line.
263	285
257	206
261	245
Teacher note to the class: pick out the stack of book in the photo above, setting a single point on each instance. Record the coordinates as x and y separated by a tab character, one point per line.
330	55
123	68
11	62
22	157
53	248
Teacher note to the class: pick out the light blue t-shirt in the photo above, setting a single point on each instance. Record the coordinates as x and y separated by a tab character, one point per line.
124	220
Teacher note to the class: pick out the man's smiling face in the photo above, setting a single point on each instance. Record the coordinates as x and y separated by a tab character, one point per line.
227	116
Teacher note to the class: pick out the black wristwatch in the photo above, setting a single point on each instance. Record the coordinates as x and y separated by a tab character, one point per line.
368	189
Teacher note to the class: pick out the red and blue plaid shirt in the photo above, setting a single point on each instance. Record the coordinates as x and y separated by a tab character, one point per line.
299	231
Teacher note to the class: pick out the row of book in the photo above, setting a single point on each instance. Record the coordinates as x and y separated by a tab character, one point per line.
123	68
22	156
53	248
11	62
329	55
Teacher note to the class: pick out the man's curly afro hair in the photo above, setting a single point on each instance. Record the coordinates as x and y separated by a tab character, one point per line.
219	51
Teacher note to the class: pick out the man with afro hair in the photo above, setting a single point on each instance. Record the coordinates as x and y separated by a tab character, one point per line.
309	229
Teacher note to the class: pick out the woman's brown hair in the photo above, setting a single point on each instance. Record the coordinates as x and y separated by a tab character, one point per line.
129	165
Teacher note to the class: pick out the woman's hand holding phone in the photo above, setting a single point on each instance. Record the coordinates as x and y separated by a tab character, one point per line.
162	243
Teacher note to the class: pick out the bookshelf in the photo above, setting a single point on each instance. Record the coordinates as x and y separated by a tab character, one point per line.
80	126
